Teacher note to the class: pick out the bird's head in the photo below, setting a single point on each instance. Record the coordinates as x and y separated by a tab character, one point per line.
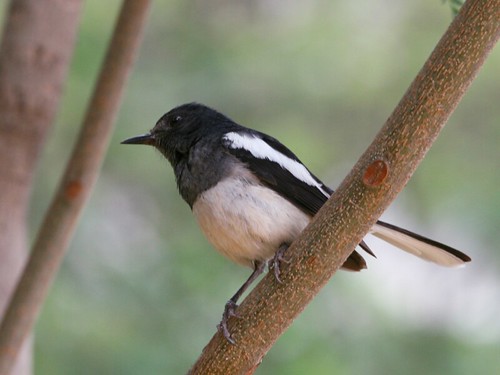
181	128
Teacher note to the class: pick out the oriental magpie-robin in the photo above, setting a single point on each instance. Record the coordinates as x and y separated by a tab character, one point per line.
252	196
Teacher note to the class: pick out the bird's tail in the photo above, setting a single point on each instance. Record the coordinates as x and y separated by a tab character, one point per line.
420	246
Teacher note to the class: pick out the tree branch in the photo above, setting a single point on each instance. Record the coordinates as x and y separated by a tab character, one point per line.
376	179
74	190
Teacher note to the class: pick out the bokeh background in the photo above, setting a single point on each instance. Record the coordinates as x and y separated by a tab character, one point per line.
141	290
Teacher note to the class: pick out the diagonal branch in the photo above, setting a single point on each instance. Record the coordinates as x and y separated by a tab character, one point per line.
74	190
376	179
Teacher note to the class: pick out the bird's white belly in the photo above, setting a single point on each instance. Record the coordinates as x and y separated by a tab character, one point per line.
246	221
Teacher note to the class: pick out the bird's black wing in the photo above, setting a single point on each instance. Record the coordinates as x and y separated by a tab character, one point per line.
280	170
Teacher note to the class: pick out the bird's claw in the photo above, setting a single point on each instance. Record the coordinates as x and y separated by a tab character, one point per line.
275	262
229	311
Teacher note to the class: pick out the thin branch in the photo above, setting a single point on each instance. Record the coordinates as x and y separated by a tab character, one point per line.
74	190
376	179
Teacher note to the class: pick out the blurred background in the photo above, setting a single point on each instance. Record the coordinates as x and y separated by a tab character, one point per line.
141	290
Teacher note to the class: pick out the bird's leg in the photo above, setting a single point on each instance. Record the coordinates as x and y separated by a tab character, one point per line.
230	308
275	262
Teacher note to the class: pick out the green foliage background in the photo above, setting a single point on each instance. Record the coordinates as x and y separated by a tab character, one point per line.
141	290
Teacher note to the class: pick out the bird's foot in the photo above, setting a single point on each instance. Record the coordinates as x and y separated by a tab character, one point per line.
229	311
276	261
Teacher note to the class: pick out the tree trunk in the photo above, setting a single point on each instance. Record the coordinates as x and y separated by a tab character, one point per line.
35	51
76	185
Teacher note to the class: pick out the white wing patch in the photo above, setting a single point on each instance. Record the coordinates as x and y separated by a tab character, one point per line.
260	149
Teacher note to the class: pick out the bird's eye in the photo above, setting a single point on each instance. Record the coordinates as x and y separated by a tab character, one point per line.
175	120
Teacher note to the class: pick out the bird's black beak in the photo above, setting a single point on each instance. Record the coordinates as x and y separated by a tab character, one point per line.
145	139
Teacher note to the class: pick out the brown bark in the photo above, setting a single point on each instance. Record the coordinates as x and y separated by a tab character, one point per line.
376	179
74	190
35	51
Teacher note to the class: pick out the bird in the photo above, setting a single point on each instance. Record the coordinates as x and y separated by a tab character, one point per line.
252	196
